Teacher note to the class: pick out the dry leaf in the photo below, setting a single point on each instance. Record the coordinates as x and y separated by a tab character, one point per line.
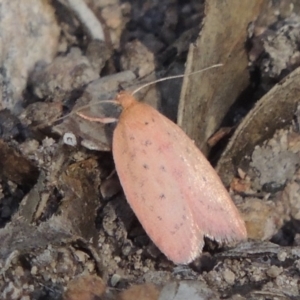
273	111
206	98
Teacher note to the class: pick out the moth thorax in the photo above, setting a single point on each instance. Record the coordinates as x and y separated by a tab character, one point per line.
125	99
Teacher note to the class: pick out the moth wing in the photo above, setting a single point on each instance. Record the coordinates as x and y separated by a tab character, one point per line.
173	190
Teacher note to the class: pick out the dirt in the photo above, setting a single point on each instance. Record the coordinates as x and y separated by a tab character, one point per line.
67	231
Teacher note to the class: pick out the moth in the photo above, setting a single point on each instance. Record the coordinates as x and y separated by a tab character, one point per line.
173	190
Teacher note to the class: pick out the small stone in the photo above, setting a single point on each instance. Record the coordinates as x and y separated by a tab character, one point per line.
297	264
282	255
117	259
33	270
191	290
229	276
81	256
127	248
19	271
274	271
138	58
69	138
90	266
112	15
115	279
137	265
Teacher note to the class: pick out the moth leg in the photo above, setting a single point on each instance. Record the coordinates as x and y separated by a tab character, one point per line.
104	120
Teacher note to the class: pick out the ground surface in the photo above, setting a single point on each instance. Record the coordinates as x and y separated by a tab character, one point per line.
65	223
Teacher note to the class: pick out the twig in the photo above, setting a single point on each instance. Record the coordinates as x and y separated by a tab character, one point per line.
87	18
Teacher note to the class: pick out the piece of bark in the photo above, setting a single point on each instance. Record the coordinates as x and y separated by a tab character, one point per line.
275	110
87	287
15	167
28	36
206	98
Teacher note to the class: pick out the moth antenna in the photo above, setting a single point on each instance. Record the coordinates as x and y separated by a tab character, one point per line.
175	76
134	92
75	112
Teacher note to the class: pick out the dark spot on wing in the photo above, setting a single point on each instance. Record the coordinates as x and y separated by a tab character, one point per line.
164	148
162	196
159	149
133	176
177	226
132	156
162	168
177	173
188	150
141	184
